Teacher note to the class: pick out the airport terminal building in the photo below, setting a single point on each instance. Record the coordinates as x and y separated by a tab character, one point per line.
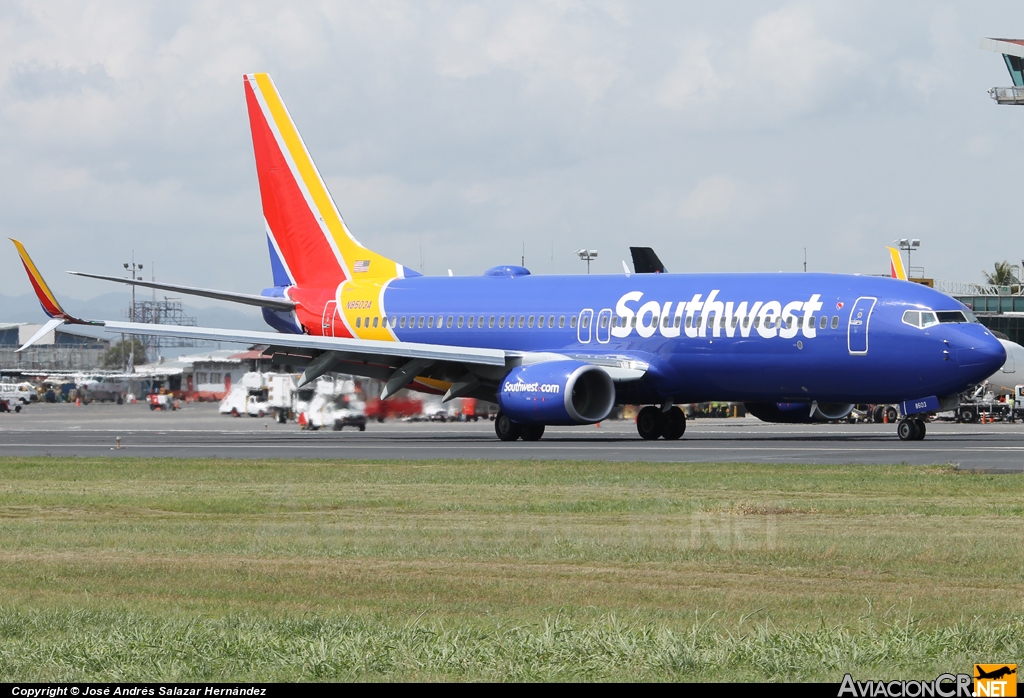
63	349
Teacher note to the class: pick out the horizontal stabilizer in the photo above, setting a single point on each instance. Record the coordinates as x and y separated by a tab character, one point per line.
244	298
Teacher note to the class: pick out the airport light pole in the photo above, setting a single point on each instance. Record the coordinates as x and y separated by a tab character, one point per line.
909	244
134	269
587	256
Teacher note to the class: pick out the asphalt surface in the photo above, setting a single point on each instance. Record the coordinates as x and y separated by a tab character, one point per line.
198	431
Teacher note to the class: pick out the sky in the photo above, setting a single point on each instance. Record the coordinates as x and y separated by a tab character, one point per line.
729	136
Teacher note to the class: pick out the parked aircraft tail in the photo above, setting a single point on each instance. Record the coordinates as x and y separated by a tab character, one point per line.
310	245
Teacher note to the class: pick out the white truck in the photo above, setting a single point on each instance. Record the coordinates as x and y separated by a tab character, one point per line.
18	393
262	394
335	404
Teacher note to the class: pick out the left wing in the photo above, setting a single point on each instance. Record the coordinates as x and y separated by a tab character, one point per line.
453	371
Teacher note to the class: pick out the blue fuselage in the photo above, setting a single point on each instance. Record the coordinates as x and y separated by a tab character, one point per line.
712	337
721	355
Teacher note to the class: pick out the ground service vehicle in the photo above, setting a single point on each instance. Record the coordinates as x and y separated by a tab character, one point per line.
564	350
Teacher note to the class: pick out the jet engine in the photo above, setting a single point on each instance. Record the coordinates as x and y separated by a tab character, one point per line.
798	412
557	392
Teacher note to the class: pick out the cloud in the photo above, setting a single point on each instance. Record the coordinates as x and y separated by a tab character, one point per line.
552	45
783	66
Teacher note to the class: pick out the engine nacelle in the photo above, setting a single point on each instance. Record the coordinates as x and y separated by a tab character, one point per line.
798	412
557	392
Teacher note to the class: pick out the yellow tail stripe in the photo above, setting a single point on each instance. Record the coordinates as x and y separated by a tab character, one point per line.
898	272
351	251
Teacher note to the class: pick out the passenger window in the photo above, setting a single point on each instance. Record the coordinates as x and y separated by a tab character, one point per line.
835	322
440	319
604	322
912	318
654	321
450	319
358	321
735	321
460	322
551	321
375	320
928	319
529	323
586	322
430	322
470	322
501	321
572	322
561	321
789	322
419	323
632	321
490	322
522	321
823	323
746	321
678	321
480	321
757	322
511	321
401	322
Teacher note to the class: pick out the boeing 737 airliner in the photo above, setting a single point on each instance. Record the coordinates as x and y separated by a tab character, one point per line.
563	350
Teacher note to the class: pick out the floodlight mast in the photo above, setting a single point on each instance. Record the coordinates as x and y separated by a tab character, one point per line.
909	244
587	256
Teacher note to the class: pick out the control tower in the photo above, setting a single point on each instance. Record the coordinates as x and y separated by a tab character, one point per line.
1013	55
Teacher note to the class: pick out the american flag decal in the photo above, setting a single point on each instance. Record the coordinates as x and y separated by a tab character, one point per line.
361	265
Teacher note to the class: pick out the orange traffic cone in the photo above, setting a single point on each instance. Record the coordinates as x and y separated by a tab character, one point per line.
78	402
885	416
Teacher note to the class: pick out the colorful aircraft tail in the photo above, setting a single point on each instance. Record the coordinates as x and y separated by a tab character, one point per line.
46	298
310	245
896	264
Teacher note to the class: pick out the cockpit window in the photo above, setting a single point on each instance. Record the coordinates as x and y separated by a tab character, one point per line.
951	316
920	318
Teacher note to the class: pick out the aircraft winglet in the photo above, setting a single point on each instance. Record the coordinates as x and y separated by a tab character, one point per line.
896	264
46	298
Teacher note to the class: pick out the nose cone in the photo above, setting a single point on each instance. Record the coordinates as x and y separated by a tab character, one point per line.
982	356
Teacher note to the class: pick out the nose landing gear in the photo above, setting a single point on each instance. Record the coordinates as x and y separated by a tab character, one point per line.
911	429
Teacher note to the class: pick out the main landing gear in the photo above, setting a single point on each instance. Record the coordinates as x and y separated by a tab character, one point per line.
911	429
652	423
507	430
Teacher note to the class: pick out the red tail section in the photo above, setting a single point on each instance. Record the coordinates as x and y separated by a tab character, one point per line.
311	260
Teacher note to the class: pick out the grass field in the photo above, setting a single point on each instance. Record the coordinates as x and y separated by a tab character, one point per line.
276	570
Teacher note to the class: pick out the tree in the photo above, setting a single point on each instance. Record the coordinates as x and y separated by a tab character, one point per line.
1003	275
116	357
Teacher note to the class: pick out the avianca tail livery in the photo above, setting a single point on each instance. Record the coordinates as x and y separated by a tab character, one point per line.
567	349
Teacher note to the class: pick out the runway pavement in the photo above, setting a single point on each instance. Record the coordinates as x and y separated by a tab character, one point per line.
197	431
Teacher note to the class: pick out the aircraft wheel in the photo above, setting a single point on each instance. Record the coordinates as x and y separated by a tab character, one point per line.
648	423
673	424
506	429
907	430
533	432
921	430
968	414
